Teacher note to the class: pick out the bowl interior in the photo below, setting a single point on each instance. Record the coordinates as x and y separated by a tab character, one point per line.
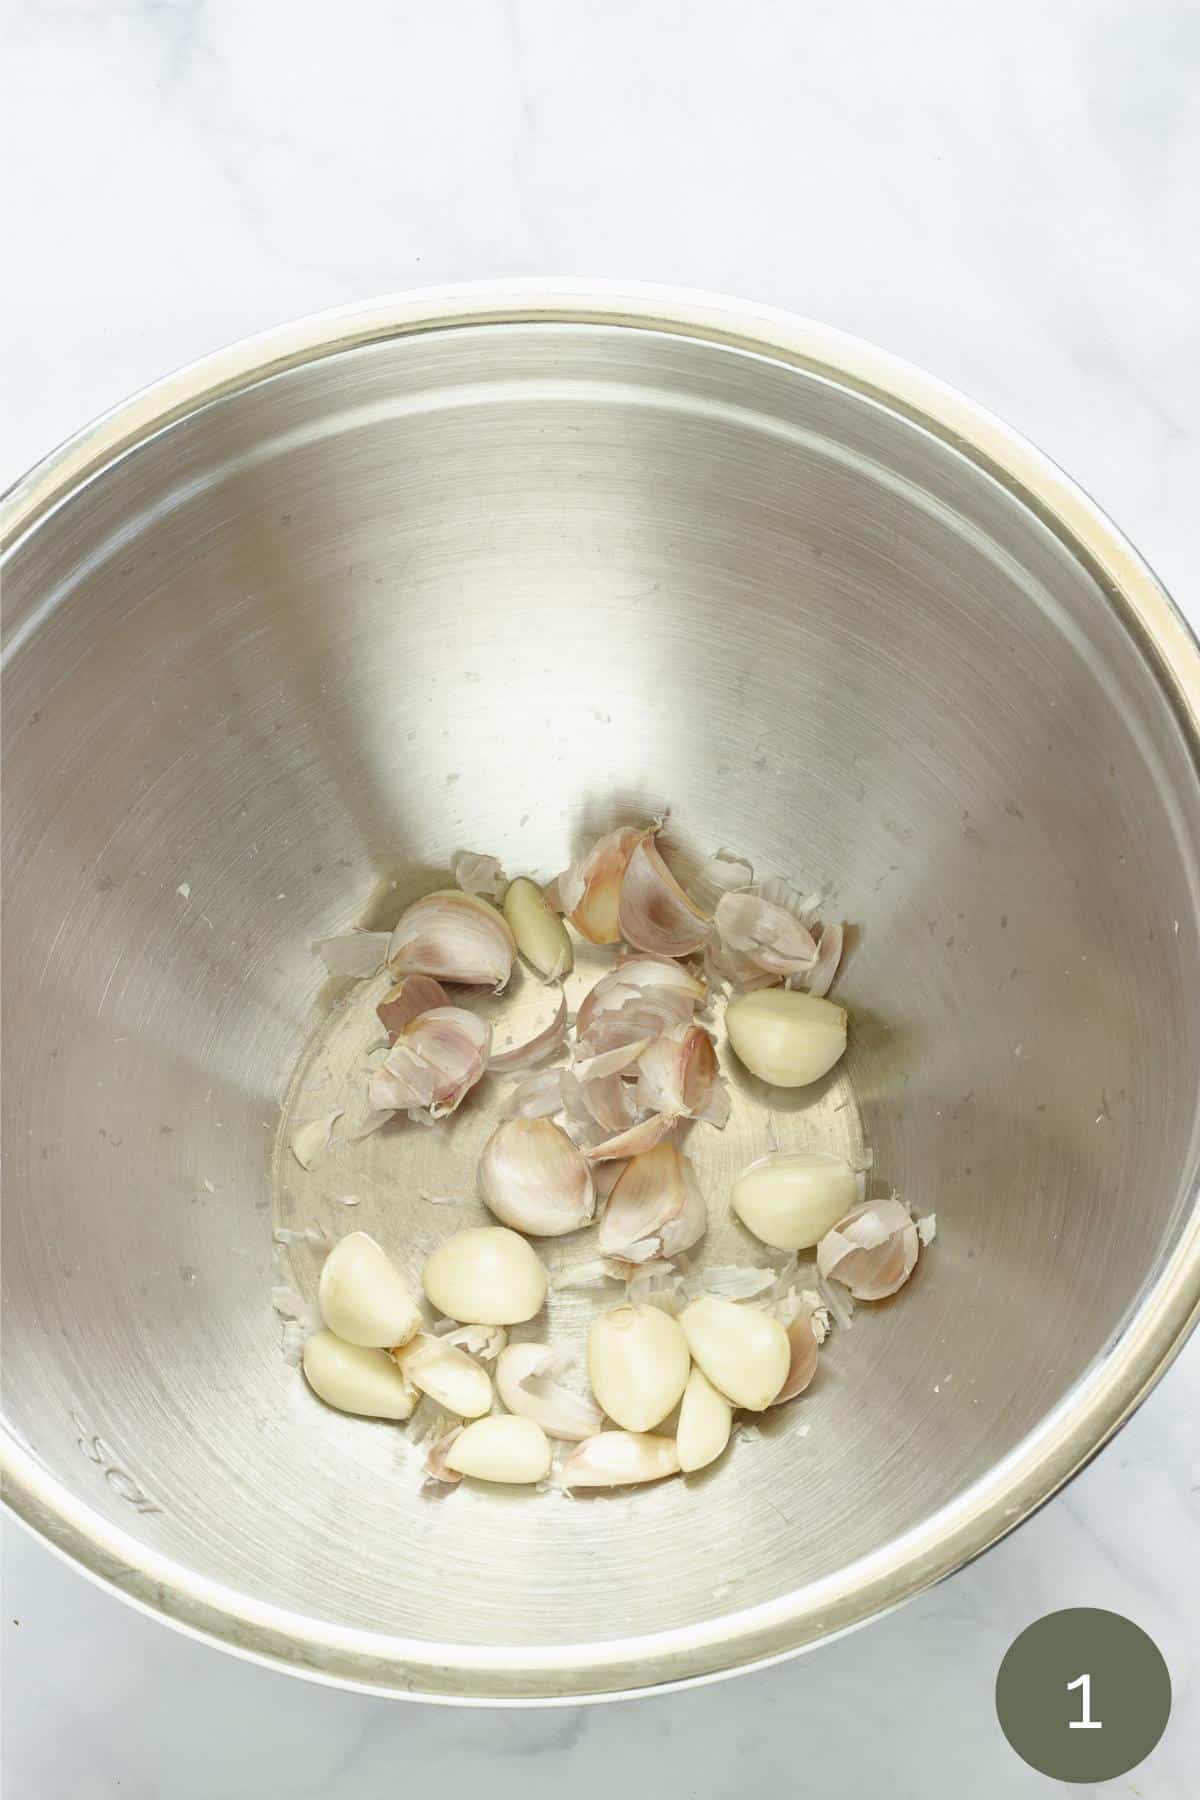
502	587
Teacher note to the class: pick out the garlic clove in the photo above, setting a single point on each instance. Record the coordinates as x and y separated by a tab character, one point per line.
638	1365
655	913
456	1045
805	1348
526	1385
678	1074
357	954
486	1276
620	1459
655	1192
408	999
539	933
705	1422
744	1351
479	875
791	1198
535	1179
544	1043
503	1448
590	890
309	1139
872	1251
786	1038
362	1295
668	991
447	1374
454	937
634	1142
356	1378
769	935
537	1097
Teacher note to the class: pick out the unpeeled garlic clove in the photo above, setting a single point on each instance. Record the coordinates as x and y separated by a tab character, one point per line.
872	1251
454	937
656	1208
744	1351
678	1074
769	935
525	1383
447	1374
786	1038
539	934
638	1365
705	1422
620	1459
362	1295
655	914
408	999
456	1045
535	1179
486	1276
590	890
791	1198
503	1448
356	1378
668	991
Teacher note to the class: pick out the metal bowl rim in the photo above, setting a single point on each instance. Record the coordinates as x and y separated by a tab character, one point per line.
1070	1434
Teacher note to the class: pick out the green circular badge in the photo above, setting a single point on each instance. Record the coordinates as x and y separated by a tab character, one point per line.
1083	1695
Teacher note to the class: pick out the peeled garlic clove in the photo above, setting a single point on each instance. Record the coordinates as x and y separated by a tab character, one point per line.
769	935
590	890
655	914
456	1045
544	1043
476	874
744	1351
638	1365
357	1379
453	937
525	1383
786	1038
540	934
805	1349
705	1421
872	1251
448	1375
486	1276
503	1448
655	1191
791	1198
620	1459
636	1141
412	996
534	1178
362	1295
678	1073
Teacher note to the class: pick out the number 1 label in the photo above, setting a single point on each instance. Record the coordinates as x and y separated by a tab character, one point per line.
1087	1723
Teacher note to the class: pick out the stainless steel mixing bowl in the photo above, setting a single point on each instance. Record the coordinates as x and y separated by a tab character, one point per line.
495	568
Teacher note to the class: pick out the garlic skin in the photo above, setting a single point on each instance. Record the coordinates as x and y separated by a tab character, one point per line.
656	1208
638	1365
805	1350
705	1422
504	1448
447	1374
784	1037
480	875
654	913
590	890
819	979
536	1097
436	1466
660	993
634	1142
544	1043
872	1251
769	935
533	1178
362	1295
486	1276
407	1000
454	937
525	1383
356	1379
311	1138
678	1075
435	1062
539	934
620	1459
791	1198
744	1351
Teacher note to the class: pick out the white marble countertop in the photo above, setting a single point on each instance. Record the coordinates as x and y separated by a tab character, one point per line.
1003	195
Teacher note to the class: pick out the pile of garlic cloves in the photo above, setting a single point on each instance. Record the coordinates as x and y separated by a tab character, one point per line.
591	1137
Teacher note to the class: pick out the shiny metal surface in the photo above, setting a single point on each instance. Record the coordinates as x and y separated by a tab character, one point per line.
497	568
